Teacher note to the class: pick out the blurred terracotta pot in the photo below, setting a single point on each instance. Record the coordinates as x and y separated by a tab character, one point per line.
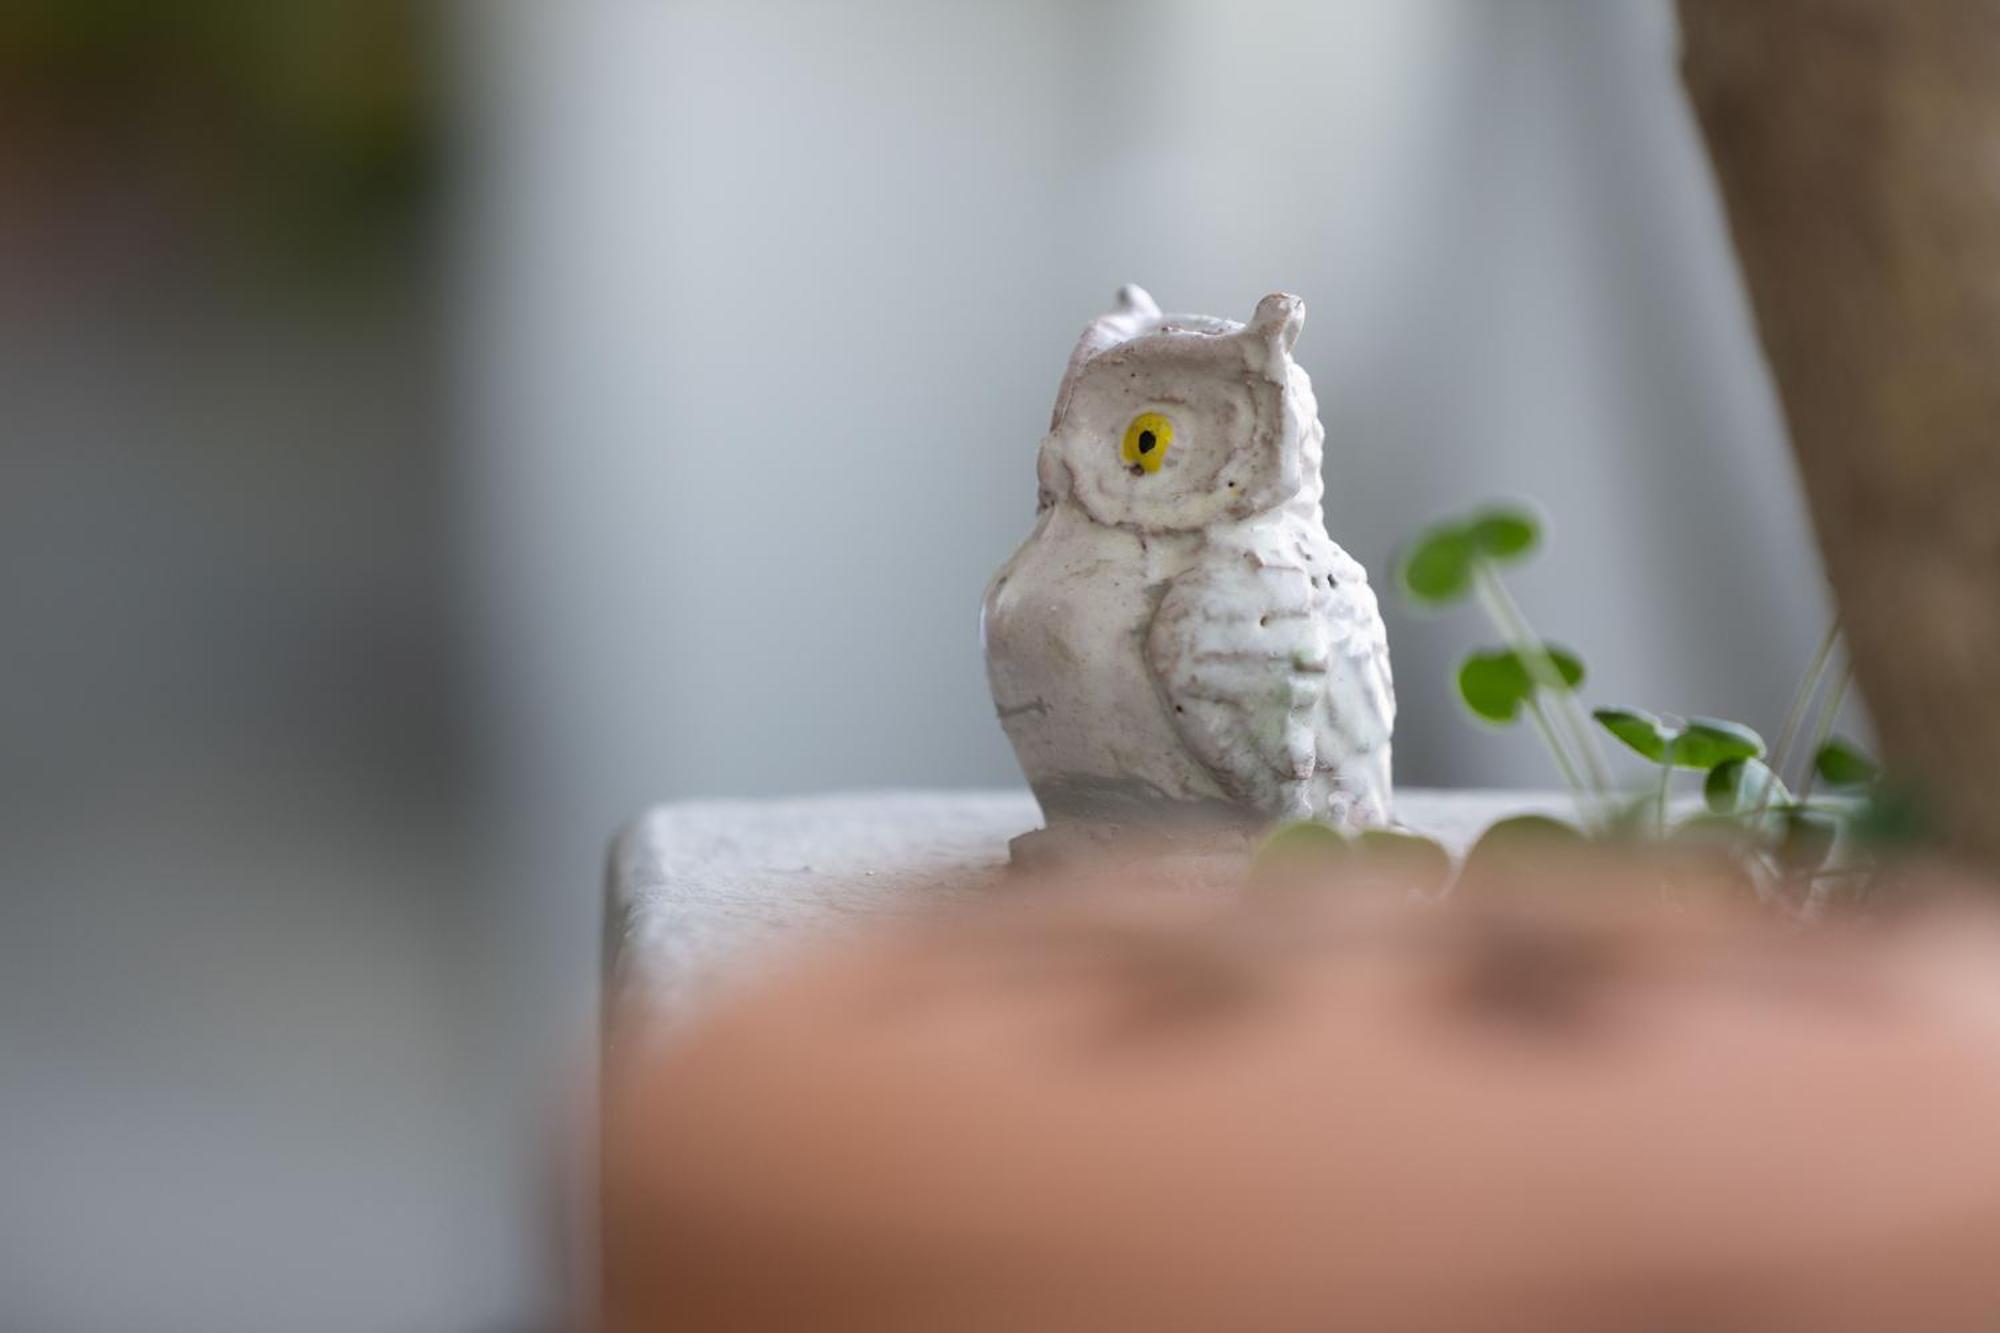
1573	1109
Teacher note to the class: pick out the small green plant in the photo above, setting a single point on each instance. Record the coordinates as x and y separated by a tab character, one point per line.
1798	849
1451	562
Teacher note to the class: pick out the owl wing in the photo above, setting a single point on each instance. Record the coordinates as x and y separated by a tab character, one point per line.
1276	669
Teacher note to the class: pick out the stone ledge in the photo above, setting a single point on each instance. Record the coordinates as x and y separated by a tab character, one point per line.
698	887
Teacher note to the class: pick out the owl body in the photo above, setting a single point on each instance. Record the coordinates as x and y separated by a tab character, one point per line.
1179	638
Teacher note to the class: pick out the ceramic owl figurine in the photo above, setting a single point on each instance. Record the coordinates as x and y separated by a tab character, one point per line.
1178	639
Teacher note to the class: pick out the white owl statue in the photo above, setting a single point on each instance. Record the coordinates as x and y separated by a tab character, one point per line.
1179	642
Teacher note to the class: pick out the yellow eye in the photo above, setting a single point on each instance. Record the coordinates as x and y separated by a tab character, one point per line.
1146	441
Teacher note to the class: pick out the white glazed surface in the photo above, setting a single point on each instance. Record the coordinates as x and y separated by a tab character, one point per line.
1189	642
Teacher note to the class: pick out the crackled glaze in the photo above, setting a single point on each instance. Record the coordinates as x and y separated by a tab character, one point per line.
1179	637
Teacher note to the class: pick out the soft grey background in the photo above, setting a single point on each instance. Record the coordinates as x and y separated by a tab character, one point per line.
673	464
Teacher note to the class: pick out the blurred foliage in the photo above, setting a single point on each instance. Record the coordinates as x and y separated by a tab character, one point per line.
1793	850
304	128
1495	685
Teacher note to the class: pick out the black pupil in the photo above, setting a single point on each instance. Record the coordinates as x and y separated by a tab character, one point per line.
1146	442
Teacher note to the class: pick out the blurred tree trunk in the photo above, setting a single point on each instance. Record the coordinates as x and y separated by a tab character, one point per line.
1857	144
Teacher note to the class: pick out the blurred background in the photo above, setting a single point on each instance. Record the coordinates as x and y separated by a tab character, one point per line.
433	432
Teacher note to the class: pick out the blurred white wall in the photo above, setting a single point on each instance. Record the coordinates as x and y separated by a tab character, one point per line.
766	304
774	298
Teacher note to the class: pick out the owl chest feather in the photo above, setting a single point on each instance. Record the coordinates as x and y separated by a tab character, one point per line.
1105	646
1272	653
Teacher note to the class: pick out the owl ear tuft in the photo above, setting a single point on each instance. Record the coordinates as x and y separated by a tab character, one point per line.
1136	300
1278	320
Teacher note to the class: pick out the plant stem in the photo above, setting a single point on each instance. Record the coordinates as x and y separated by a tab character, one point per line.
1566	702
1802	699
1576	787
1500	608
1794	717
1666	777
1816	890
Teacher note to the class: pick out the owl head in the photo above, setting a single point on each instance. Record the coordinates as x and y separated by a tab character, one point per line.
1172	422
